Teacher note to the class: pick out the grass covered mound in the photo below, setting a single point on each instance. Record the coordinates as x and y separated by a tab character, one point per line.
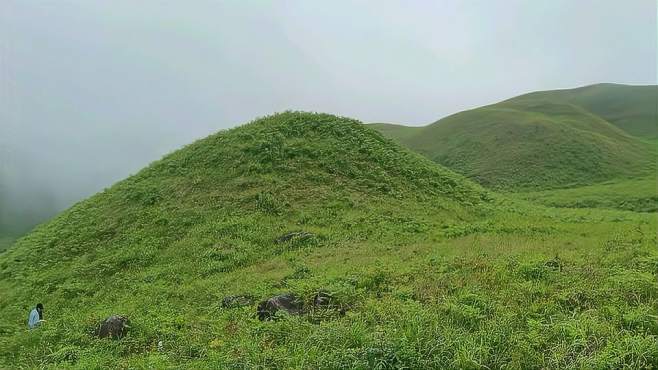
428	270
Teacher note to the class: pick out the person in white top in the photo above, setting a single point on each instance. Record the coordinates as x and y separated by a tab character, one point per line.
36	317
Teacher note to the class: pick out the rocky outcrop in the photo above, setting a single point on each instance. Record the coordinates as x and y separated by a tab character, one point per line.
115	326
287	302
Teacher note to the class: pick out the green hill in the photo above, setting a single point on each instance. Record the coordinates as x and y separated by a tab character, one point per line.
534	142
633	109
426	269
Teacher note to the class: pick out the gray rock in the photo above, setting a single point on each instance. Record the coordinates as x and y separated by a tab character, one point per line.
288	302
115	326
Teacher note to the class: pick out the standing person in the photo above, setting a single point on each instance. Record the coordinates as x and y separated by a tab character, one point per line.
36	316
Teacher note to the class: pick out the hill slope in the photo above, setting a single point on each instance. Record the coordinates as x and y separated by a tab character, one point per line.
633	109
218	205
533	142
425	270
637	194
394	131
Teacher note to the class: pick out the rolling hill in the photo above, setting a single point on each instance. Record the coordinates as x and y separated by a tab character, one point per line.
543	140
633	109
425	269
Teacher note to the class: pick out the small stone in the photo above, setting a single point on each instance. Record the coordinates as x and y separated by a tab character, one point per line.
115	326
287	302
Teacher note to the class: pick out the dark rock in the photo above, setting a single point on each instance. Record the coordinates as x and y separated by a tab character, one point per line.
297	235
234	301
115	326
287	302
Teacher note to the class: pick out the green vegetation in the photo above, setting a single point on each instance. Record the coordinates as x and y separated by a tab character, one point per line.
633	109
639	195
435	271
544	140
397	132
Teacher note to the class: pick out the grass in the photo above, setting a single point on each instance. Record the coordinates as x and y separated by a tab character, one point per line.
543	140
640	195
435	271
399	132
631	108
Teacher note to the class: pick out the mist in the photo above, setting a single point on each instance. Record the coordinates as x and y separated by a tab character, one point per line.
90	92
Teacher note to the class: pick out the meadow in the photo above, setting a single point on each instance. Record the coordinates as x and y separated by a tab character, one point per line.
426	268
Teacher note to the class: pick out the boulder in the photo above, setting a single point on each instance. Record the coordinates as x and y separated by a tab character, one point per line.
288	302
115	326
234	301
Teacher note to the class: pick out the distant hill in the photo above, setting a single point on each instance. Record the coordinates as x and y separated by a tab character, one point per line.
397	132
633	109
541	140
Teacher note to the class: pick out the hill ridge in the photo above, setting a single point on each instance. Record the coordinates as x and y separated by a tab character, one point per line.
503	145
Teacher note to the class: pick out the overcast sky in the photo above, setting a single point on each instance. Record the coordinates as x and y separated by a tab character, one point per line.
91	91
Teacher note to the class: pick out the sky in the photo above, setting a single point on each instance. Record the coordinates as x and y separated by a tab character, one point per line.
91	91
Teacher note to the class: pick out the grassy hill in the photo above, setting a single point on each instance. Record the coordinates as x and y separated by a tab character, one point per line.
538	141
431	270
633	109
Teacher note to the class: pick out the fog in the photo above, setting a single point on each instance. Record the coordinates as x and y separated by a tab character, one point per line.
92	91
